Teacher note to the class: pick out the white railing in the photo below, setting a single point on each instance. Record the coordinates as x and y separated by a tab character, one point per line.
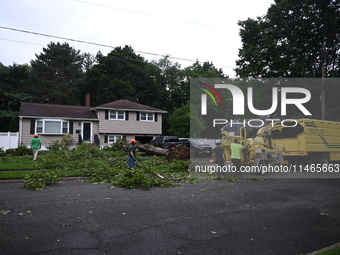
9	140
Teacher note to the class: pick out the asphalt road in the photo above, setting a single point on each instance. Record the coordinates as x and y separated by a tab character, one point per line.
276	216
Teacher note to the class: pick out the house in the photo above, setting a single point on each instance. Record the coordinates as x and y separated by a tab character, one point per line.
103	124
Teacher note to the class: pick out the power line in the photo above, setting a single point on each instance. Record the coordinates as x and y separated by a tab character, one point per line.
17	41
87	42
54	36
90	43
152	15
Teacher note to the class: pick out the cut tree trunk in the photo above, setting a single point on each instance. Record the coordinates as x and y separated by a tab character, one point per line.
179	152
150	149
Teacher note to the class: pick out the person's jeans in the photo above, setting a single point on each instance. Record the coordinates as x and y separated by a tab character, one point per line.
132	162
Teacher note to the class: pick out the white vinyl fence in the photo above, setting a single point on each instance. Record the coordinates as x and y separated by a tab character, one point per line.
9	140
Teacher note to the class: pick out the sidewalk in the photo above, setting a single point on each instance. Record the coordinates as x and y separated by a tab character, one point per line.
211	217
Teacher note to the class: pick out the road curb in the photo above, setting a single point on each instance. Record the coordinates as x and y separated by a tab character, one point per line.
11	181
22	180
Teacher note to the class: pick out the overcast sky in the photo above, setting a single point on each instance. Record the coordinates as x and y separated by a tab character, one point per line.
191	30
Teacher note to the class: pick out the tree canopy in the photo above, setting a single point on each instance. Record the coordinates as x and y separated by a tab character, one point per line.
198	123
13	90
288	40
57	74
122	74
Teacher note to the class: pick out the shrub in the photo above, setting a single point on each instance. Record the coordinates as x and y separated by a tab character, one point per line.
86	150
63	145
119	145
2	152
67	141
22	150
55	146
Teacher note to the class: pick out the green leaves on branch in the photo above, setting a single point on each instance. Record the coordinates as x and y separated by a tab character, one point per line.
41	178
107	166
150	172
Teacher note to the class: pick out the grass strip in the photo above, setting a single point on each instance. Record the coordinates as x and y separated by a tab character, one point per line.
7	175
16	163
334	251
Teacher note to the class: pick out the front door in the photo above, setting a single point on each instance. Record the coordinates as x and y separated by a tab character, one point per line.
87	132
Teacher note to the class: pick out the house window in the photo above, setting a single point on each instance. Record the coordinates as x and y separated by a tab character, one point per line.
117	115
39	127
65	127
114	138
147	116
52	127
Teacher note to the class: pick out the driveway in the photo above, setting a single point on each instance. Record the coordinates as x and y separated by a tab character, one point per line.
274	216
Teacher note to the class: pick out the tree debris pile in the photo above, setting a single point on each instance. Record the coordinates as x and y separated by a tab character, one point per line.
105	165
178	152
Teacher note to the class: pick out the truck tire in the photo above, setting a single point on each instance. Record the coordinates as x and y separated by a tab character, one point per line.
324	159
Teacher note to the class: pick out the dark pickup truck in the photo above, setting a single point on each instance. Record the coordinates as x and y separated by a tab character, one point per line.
167	142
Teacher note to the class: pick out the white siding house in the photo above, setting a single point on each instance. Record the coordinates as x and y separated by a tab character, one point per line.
102	125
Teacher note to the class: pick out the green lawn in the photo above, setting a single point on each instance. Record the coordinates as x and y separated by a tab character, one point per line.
11	167
17	163
5	175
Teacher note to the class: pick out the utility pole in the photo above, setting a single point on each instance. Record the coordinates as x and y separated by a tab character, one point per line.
323	58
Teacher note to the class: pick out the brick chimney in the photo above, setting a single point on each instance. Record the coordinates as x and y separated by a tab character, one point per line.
88	99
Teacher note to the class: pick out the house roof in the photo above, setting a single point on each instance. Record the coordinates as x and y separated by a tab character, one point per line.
124	104
56	111
79	112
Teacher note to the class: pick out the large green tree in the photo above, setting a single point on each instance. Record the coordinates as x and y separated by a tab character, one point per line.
184	113
57	75
205	70
170	79
122	74
287	41
180	121
13	90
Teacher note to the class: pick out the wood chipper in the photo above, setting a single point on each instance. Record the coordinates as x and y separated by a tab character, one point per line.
300	141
